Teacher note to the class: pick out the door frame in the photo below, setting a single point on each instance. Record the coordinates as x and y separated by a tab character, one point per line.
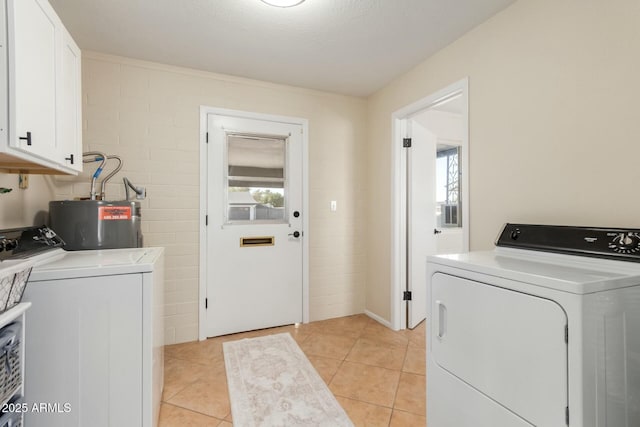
203	267
399	190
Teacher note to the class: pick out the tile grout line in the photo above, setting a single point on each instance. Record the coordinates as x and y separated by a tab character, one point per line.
395	396
342	363
195	412
184	359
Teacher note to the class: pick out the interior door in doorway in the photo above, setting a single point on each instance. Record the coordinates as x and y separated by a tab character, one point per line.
255	219
434	196
420	220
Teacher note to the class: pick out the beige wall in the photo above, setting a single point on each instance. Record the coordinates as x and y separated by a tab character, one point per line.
24	207
149	114
554	125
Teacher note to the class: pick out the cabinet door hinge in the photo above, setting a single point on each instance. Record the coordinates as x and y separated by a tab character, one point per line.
207	137
406	142
566	415
206	303
206	220
566	334
406	296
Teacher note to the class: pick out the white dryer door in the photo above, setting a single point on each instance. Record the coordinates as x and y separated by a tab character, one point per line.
508	345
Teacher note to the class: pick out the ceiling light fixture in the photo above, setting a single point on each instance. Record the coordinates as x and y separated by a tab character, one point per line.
282	3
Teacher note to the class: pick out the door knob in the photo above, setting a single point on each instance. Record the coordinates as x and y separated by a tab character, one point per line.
436	231
295	234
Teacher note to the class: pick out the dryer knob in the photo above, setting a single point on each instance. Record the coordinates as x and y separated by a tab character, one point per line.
626	243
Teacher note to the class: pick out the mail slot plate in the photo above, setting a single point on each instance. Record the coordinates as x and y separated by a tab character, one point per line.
246	242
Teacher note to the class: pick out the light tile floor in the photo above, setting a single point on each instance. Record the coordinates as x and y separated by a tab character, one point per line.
377	375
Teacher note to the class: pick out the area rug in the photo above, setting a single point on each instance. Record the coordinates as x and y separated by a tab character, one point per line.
272	383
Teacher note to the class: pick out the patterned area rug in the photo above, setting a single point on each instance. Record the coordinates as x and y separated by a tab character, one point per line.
272	383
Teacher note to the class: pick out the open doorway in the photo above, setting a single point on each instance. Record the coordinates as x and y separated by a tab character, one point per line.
431	193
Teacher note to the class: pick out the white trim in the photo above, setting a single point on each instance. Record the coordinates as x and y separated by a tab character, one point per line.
398	197
204	112
379	319
202	270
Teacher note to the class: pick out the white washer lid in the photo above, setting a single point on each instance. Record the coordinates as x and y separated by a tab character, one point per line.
96	263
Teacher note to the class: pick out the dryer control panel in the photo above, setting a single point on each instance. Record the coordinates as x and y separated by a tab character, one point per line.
600	242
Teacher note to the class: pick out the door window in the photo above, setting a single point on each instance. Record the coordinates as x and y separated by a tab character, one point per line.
256	179
448	212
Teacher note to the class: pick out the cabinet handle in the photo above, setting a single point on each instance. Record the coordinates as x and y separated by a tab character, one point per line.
26	138
70	158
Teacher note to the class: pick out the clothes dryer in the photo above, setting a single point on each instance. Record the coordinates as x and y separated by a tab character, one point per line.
542	331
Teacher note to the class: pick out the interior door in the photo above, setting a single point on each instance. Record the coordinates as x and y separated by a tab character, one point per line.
255	218
434	195
508	345
421	162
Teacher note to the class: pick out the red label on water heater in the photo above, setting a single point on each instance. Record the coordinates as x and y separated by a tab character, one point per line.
107	213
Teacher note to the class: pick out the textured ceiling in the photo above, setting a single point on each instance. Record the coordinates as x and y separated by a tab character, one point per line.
353	47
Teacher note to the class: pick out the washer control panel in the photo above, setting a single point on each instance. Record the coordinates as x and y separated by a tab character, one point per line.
24	242
613	243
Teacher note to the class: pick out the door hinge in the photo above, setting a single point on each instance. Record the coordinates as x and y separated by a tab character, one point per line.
207	137
206	220
406	142
566	415
206	303
406	296
566	334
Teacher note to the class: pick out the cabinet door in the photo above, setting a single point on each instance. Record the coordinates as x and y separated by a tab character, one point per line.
69	104
32	34
508	345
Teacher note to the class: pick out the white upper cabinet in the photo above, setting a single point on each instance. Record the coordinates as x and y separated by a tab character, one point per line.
44	101
69	104
33	82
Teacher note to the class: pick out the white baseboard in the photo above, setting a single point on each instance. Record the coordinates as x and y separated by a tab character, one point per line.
378	319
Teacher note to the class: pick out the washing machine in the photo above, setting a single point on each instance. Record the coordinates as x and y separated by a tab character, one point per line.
544	330
94	347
